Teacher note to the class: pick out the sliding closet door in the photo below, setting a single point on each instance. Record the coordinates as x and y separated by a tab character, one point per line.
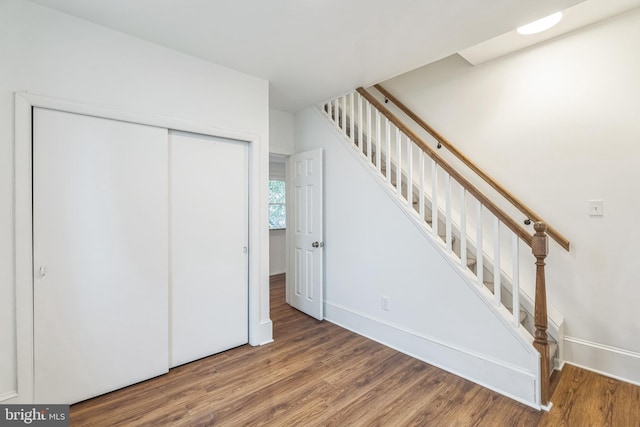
100	255
209	238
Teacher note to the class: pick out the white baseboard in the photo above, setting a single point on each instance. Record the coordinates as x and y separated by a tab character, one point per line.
264	334
609	361
8	395
512	381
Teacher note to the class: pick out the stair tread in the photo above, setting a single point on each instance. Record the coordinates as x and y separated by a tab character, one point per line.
553	354
444	237
553	347
523	313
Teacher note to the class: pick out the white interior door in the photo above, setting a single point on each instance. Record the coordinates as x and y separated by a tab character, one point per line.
209	239
100	249
305	284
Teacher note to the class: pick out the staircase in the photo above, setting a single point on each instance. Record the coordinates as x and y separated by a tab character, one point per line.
466	225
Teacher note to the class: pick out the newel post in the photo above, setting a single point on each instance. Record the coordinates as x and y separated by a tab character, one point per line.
540	250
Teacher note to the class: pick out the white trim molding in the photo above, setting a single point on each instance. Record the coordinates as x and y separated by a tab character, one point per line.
603	359
260	325
8	395
504	378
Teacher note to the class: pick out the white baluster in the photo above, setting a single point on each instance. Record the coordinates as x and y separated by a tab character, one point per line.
463	228
387	128
409	173
515	247
369	132
378	142
344	115
421	185
479	252
434	198
360	123
352	125
399	162
448	237
366	137
497	288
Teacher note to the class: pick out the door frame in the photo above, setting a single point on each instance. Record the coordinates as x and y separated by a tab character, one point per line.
260	325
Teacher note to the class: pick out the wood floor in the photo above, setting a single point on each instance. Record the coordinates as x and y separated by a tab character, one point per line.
318	374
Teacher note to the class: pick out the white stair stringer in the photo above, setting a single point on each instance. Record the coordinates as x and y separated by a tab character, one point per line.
485	293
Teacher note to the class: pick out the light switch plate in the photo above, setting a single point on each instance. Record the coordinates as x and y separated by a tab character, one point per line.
596	207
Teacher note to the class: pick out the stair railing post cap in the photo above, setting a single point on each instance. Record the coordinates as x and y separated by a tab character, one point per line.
540	243
540	227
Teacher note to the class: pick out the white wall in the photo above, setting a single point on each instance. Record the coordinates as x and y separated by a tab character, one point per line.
559	125
373	249
277	251
280	132
52	54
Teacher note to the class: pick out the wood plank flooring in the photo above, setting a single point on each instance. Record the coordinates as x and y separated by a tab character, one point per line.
318	374
584	398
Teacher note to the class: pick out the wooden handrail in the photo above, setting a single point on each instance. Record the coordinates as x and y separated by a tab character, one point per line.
501	215
540	338
553	233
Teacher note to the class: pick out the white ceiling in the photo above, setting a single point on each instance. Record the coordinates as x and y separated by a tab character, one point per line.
312	50
578	16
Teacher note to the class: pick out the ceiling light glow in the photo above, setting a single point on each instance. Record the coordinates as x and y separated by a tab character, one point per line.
541	24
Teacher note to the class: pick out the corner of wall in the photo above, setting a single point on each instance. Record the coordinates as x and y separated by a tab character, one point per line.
281	132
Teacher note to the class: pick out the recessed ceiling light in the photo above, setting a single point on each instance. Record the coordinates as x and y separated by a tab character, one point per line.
541	24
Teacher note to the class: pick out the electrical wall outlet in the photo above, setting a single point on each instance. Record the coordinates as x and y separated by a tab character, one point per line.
384	303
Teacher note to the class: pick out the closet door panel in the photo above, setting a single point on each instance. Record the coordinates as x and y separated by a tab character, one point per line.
209	234
100	255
